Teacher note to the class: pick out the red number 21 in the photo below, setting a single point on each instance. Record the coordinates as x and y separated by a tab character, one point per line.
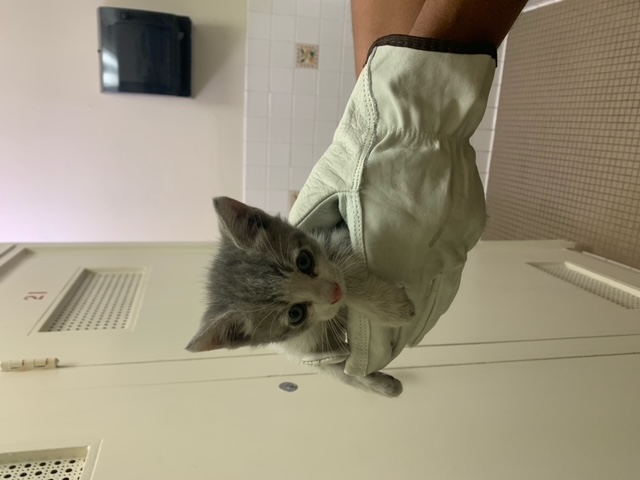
35	296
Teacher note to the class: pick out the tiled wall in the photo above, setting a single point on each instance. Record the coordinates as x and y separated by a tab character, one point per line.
566	159
291	112
483	138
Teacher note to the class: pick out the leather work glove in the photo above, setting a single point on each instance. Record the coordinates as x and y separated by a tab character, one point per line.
402	175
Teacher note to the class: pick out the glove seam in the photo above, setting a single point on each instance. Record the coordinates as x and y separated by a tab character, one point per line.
413	134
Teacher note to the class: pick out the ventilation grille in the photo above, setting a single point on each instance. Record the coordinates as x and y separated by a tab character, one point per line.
97	300
43	465
604	287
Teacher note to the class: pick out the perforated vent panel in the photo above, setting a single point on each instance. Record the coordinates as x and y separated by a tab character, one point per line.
98	300
56	464
620	294
69	469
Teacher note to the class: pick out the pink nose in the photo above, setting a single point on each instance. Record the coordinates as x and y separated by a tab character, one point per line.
337	294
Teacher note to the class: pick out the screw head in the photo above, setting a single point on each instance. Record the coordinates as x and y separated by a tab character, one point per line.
288	387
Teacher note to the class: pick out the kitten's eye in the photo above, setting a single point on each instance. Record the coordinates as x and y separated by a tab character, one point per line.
297	314
305	262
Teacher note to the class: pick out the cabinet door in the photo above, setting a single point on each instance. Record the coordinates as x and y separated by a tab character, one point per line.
103	304
95	305
530	291
561	419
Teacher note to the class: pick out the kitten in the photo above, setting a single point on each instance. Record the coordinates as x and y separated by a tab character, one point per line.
272	283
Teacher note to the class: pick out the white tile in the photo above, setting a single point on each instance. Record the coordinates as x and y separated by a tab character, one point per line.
259	6
330	59
282	54
324	132
297	177
331	33
348	64
347	13
342	106
318	151
534	4
301	154
327	108
283	27
256	178
347	82
304	81
304	106
303	131
493	96
488	120
278	202
280	105
498	74
281	80
278	178
257	52
279	154
258	25
256	153
257	78
307	30
328	84
309	8
485	181
256	198
280	130
256	129
347	39
502	50
288	7
482	161
257	104
333	9
319	148
481	140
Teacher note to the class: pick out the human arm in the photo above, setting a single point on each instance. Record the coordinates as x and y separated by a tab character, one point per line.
486	21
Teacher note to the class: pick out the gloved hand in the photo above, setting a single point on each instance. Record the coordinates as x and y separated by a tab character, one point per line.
402	175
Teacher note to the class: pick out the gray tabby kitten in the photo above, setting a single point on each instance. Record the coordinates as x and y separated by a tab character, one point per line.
272	283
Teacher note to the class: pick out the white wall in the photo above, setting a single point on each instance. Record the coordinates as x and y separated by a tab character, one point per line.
291	112
78	165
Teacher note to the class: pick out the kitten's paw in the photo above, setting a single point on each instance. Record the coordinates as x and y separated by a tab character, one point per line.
384	384
407	308
401	309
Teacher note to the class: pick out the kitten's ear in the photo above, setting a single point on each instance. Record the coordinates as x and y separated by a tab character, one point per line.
240	222
226	331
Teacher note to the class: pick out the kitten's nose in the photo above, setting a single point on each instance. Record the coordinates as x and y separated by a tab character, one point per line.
337	294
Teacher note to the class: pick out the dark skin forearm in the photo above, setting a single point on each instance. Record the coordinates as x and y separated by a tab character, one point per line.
467	20
373	19
458	20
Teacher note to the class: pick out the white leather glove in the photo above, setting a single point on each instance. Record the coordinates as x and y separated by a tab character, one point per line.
402	175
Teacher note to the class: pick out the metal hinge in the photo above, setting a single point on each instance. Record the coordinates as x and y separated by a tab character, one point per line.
28	364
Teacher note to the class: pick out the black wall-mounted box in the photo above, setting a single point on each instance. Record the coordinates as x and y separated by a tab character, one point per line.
144	52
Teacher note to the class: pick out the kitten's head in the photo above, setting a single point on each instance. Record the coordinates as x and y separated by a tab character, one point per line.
269	281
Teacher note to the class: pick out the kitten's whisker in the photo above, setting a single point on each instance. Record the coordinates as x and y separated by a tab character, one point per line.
270	250
324	337
267	315
336	330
